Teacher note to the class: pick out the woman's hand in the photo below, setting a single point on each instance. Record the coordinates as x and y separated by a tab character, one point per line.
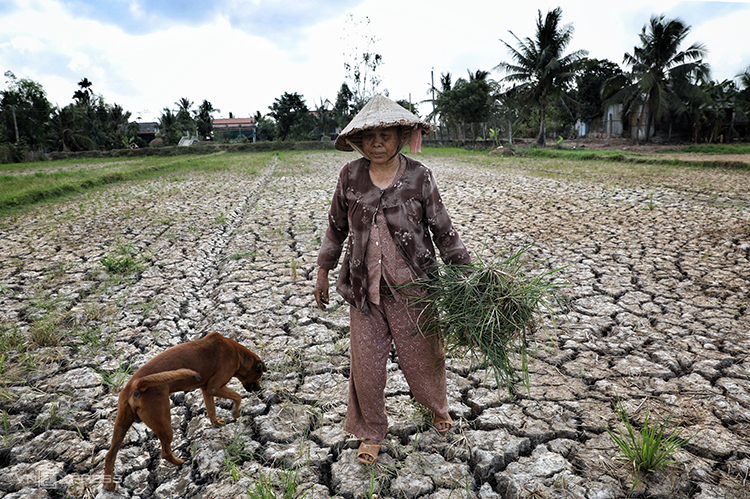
321	289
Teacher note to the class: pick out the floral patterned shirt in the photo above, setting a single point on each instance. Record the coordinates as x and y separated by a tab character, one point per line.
415	216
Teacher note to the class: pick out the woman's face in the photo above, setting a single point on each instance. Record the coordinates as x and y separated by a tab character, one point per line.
380	145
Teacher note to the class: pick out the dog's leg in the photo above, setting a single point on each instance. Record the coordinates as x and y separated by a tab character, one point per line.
123	422
228	393
158	418
208	399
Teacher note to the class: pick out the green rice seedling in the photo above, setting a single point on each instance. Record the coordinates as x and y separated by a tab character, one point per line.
235	453
243	254
11	339
116	379
289	484
266	489
263	488
293	266
94	339
650	449
44	330
487	310
123	261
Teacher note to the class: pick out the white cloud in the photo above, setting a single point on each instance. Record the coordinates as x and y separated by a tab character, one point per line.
241	64
26	44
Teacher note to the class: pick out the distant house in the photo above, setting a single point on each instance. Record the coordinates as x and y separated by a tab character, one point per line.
147	130
226	129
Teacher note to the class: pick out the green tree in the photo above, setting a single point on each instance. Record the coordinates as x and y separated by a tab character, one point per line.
83	95
468	102
265	127
66	130
293	119
170	133
25	112
408	106
512	112
184	121
591	77
344	108
204	120
442	111
660	71
540	66
324	118
742	99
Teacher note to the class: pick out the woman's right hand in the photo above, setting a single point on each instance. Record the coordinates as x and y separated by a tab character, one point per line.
321	289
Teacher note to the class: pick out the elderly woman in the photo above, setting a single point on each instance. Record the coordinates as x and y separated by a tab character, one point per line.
389	208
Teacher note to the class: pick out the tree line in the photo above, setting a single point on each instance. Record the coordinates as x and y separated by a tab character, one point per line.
662	89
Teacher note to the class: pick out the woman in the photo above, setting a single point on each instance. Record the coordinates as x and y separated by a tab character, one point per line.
389	207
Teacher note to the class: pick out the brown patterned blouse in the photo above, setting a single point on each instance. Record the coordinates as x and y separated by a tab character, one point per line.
415	215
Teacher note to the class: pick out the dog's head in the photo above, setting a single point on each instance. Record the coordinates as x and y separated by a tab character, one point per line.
250	371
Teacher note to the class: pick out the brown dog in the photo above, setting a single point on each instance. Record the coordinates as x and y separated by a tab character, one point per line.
208	363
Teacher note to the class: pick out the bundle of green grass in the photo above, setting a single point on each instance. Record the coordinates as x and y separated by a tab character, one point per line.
488	309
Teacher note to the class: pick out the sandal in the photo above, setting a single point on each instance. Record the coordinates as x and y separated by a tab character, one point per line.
366	451
437	423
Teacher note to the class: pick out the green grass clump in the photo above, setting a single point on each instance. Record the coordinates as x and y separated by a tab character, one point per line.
488	309
122	261
265	489
650	449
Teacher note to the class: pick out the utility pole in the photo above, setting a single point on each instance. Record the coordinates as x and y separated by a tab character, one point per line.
432	88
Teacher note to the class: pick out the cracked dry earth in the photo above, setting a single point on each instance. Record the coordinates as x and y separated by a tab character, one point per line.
658	268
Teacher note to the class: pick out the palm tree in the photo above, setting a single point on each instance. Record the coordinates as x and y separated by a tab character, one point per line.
168	127
742	101
204	121
184	104
541	68
659	71
65	132
83	95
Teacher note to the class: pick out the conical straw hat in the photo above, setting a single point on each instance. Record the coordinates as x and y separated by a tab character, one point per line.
379	112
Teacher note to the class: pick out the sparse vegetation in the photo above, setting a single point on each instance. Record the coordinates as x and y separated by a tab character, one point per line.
649	450
123	261
116	379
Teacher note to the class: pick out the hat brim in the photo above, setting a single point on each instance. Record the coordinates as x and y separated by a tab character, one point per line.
379	112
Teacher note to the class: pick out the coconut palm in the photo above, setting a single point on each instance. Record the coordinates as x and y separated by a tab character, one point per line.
742	102
660	70
540	66
184	104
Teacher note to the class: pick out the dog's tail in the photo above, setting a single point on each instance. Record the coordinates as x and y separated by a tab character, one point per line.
161	378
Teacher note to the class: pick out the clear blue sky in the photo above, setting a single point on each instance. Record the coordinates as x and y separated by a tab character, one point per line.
242	54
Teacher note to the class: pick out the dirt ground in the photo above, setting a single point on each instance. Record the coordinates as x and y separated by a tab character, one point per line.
655	314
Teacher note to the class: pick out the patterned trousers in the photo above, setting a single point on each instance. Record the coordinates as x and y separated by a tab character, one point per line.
422	360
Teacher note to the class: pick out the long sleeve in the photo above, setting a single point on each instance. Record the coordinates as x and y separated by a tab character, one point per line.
338	227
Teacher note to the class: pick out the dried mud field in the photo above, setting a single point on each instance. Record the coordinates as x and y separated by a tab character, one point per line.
657	266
